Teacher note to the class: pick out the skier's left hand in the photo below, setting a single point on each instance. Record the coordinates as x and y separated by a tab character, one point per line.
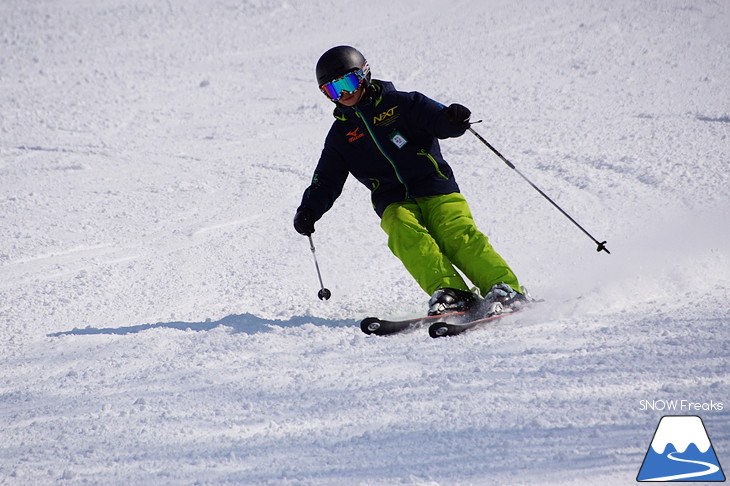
458	116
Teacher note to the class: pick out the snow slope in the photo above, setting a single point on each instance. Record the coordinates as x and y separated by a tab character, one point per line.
158	314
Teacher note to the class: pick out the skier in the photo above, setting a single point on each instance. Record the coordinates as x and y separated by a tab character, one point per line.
388	140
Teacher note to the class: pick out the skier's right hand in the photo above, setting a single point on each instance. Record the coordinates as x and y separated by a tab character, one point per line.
304	221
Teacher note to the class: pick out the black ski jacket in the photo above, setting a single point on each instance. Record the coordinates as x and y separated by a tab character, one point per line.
389	142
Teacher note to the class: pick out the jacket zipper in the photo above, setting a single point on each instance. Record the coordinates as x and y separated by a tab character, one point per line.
382	151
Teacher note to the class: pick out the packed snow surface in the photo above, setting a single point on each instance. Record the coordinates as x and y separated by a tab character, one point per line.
159	320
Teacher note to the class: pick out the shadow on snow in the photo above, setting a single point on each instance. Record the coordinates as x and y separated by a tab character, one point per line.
246	323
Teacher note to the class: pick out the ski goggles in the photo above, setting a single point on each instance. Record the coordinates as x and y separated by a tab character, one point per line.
348	83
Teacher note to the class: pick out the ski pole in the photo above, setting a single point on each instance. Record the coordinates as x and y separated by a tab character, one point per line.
324	293
601	244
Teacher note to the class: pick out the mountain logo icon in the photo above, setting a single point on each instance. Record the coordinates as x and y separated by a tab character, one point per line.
680	451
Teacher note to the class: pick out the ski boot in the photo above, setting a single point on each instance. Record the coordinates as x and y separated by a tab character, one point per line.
446	301
507	297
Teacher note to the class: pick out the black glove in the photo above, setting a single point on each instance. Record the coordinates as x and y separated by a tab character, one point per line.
304	221
458	116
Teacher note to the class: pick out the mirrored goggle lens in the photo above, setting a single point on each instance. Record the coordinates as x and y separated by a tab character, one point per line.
349	83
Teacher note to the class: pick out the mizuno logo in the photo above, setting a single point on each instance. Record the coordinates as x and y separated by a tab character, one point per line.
355	135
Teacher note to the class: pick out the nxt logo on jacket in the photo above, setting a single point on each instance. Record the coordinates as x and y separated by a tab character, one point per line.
386	117
356	134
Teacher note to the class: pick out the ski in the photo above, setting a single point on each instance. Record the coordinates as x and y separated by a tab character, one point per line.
443	324
443	329
384	327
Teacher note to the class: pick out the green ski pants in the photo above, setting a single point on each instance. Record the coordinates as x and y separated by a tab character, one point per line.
433	235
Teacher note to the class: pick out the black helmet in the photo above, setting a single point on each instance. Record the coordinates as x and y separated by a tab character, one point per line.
338	61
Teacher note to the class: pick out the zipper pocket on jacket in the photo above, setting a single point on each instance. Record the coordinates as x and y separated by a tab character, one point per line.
424	153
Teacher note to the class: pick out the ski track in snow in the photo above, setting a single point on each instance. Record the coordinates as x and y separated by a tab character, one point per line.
158	314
